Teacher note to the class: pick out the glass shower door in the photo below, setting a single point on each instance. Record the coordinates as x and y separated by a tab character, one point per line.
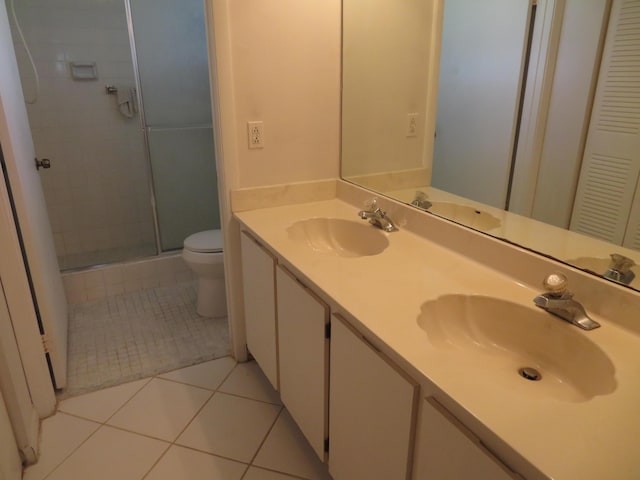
171	50
97	190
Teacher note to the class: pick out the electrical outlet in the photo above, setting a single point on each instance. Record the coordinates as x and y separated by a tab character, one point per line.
255	134
412	124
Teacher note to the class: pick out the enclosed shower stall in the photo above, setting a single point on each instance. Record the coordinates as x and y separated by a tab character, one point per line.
117	95
118	102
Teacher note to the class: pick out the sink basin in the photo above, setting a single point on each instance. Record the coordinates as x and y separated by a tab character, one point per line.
497	338
466	215
335	236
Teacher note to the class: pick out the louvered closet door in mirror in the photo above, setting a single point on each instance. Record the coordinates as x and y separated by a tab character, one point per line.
611	163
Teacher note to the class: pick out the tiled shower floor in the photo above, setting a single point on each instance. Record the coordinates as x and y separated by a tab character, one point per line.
139	334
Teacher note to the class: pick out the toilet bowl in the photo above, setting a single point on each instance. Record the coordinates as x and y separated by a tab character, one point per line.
202	253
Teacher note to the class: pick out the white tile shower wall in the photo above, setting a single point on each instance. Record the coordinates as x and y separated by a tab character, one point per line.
115	279
97	190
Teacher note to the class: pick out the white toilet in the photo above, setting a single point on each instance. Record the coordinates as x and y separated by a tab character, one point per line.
202	252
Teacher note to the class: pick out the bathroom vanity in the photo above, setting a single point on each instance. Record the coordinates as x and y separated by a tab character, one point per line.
398	354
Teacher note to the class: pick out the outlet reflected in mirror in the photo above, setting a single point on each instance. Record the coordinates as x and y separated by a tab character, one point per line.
515	110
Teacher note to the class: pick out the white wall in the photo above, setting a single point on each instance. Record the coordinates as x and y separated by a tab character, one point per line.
277	61
385	78
285	58
97	190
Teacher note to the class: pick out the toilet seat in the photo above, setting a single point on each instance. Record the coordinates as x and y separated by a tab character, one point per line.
208	241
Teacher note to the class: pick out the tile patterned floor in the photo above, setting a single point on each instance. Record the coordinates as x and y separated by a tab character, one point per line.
214	421
139	334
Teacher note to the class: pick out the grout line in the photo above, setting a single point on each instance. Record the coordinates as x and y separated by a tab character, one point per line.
249	398
267	435
173	443
146	435
160	375
156	462
204	404
129	399
72	452
175	382
228	374
285	474
217	455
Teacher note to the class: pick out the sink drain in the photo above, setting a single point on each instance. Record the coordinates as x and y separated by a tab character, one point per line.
530	374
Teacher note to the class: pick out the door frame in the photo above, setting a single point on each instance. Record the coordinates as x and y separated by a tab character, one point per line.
31	216
225	134
10	465
22	414
20	305
13	270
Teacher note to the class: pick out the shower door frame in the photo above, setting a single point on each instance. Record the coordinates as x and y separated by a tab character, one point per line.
143	127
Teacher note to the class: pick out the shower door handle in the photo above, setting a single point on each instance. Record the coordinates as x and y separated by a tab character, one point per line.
44	163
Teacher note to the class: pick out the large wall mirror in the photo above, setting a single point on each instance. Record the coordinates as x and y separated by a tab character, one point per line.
519	118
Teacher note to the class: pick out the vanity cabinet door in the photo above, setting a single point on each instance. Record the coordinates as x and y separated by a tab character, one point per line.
371	411
448	450
258	280
304	356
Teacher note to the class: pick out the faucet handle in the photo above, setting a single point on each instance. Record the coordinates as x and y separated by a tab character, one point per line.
556	284
420	196
371	204
621	263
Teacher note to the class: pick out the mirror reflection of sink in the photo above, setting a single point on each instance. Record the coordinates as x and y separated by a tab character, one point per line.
498	338
599	266
470	216
344	238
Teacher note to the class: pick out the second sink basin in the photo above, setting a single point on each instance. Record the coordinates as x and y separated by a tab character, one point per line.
497	339
335	236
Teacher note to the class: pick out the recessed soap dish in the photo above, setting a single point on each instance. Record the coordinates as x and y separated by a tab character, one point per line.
84	70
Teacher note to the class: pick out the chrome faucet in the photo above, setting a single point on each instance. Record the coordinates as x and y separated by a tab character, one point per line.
377	216
559	301
620	269
420	201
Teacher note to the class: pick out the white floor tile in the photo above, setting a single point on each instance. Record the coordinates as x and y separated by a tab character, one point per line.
111	454
255	473
230	426
247	380
61	434
181	463
286	450
161	409
206	375
100	405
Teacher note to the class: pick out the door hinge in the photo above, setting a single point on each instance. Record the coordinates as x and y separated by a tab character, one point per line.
327	330
47	343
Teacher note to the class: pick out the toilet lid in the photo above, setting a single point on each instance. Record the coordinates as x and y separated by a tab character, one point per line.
207	241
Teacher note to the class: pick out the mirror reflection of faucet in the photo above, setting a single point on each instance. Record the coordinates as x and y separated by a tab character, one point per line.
559	301
376	216
620	269
420	200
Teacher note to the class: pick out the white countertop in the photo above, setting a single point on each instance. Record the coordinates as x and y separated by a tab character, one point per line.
593	439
